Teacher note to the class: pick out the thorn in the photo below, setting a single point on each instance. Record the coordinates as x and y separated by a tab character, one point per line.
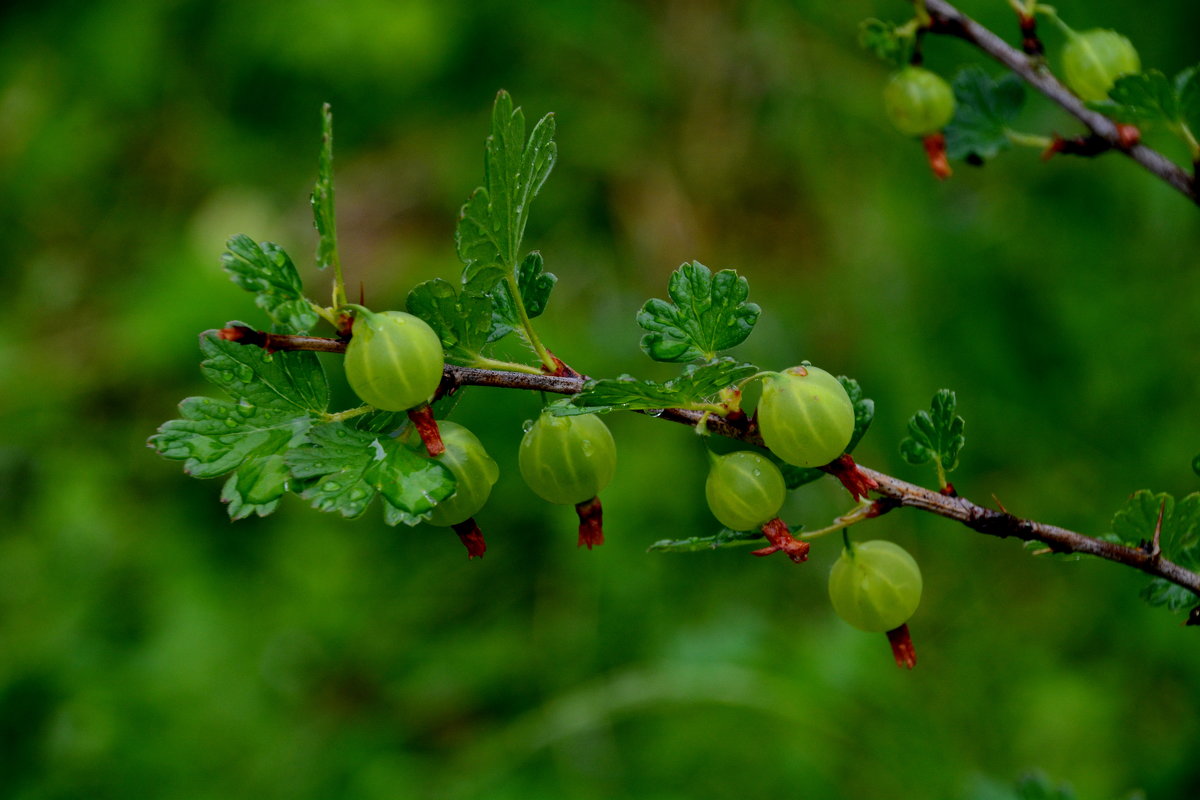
1155	545
999	505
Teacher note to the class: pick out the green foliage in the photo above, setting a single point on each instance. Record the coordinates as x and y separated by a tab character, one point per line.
534	285
274	399
322	196
984	107
345	469
492	223
699	386
1150	98
1134	525
935	435
864	412
463	320
888	42
709	314
267	271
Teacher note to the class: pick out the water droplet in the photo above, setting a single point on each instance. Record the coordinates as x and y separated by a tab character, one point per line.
654	412
245	374
333	486
527	425
586	447
380	453
226	376
758	473
232	423
357	494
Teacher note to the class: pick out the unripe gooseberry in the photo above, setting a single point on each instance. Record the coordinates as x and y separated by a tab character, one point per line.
394	360
567	460
1093	60
744	490
875	586
474	473
805	416
918	102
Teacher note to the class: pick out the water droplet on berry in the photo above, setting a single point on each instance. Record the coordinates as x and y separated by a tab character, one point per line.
526	425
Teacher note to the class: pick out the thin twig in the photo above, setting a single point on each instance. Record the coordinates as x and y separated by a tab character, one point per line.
949	21
977	518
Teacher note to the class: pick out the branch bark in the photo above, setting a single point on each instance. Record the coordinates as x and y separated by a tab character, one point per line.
948	20
977	518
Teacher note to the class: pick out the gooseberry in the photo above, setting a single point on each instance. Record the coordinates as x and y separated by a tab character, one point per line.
394	360
918	102
805	416
1093	60
567	460
474	472
744	490
875	586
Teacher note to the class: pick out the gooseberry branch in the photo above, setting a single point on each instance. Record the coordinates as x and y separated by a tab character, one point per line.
1002	524
949	21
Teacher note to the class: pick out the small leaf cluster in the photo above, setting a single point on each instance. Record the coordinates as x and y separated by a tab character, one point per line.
936	435
1151	98
1148	518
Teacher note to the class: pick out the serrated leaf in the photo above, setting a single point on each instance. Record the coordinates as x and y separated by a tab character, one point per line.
492	222
1160	592
1134	523
322	196
698	384
267	271
864	412
984	107
534	284
936	436
1143	97
274	399
886	41
1187	89
347	468
462	320
709	314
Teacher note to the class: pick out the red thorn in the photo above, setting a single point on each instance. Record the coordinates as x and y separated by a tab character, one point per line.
561	370
426	425
472	538
591	522
935	151
902	647
781	538
857	482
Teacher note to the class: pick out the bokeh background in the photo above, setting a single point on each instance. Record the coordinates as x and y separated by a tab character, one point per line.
151	648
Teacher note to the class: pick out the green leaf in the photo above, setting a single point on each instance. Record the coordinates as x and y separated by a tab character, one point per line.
864	413
886	41
984	107
492	223
322	196
274	399
463	320
699	384
709	314
1187	89
1143	97
347	468
267	271
1134	525
936	436
723	538
534	284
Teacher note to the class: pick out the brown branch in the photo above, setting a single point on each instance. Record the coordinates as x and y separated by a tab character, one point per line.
977	518
949	21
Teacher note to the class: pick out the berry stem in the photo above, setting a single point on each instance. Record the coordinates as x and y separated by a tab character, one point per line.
426	425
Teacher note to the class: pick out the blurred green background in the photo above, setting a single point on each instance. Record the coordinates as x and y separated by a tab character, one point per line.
150	648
